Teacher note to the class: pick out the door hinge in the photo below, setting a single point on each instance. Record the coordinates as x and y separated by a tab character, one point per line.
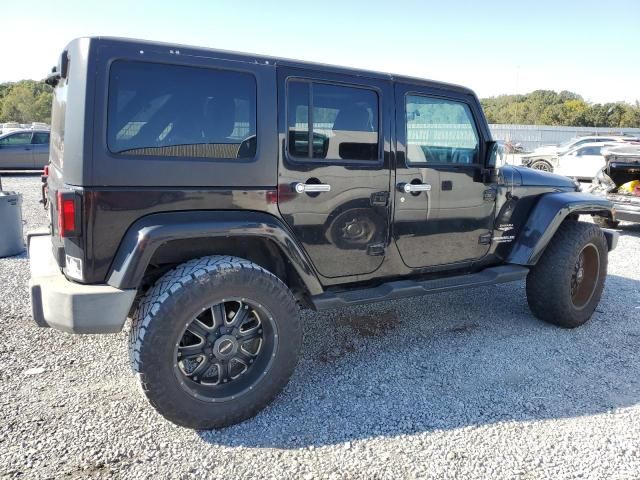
485	238
379	199
375	249
489	195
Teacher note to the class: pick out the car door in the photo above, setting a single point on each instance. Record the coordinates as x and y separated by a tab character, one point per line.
16	151
590	162
40	145
444	205
334	167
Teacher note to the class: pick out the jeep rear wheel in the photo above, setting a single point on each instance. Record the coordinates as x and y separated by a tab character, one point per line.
566	284
214	341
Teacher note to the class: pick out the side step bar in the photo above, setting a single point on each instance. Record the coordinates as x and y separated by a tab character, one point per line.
413	288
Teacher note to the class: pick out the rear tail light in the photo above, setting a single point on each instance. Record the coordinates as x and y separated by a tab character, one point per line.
68	214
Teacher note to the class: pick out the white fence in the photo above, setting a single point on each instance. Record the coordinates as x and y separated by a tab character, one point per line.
532	136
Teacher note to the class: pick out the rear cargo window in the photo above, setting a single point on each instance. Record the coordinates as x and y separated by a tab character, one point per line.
177	111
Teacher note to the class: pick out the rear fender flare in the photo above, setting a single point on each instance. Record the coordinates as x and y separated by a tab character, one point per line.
149	233
547	216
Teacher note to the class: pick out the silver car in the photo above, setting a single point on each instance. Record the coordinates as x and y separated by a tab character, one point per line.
24	149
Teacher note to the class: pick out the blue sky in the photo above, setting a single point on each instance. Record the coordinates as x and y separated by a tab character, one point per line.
493	47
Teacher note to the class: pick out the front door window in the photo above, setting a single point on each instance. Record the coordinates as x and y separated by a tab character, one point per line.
439	131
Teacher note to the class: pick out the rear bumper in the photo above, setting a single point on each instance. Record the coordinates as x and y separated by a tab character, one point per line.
71	307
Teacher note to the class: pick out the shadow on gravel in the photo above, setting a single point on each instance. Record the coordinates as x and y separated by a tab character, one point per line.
630	229
446	362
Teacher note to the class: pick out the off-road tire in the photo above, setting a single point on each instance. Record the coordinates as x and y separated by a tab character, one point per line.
549	281
606	222
175	299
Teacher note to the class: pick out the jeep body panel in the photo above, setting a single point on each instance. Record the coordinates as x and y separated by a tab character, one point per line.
545	218
322	221
151	232
441	226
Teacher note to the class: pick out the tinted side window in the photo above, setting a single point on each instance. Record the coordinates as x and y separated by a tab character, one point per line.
40	138
440	131
590	151
176	111
22	138
340	122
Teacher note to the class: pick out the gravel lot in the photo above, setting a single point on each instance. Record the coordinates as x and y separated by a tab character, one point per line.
464	385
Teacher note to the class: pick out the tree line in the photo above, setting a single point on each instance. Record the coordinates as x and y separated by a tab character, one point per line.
25	102
546	107
30	101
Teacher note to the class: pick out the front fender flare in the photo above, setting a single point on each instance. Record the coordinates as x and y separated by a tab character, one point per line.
545	219
148	233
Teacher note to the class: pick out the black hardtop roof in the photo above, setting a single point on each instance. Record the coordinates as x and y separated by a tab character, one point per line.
276	61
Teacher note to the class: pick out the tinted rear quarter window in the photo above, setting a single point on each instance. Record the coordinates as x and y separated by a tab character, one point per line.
178	111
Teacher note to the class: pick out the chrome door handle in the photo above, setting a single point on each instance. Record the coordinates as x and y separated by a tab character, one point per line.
311	187
414	187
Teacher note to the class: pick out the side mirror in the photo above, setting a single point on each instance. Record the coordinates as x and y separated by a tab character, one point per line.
495	156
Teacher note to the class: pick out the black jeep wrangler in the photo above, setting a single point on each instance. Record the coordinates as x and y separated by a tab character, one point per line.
208	195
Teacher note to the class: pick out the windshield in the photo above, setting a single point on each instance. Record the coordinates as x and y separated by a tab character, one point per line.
566	145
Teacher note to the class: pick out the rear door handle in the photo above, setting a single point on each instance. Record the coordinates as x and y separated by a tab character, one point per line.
311	187
414	187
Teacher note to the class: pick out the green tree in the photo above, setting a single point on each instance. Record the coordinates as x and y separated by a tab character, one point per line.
25	101
546	107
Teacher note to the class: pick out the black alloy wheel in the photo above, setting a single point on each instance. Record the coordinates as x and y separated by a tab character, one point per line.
225	349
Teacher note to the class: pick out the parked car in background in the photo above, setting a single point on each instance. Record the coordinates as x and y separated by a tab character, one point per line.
24	149
9	127
545	158
583	162
619	181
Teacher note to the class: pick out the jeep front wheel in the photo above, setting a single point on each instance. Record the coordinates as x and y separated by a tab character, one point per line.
566	284
214	341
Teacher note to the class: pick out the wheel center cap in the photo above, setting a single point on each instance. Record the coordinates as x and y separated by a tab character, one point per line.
225	347
580	275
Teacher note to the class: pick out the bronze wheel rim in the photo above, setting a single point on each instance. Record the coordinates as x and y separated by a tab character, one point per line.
584	278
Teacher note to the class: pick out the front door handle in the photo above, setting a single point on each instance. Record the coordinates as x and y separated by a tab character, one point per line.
311	187
414	187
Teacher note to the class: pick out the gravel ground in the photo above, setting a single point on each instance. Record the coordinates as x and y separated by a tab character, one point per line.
454	385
